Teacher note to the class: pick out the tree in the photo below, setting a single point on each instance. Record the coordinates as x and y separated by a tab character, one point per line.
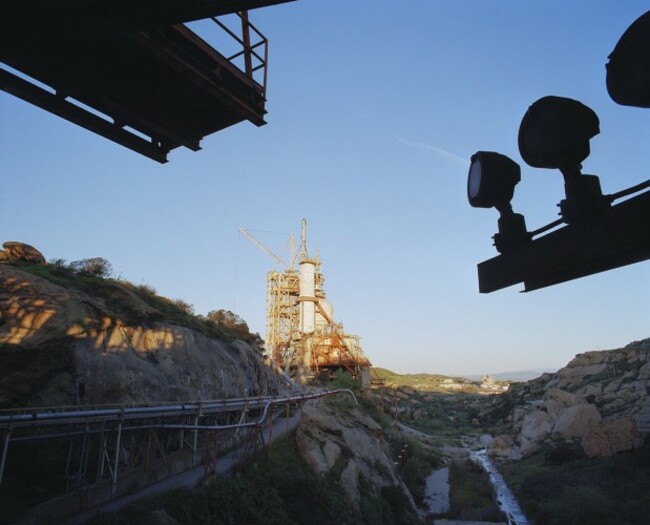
95	266
231	321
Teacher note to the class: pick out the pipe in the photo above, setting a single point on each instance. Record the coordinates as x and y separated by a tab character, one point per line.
206	408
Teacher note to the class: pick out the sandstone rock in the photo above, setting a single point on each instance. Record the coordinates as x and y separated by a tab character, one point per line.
644	371
592	389
612	387
642	416
611	437
500	446
18	251
528	447
613	407
586	359
536	426
4	256
356	444
576	421
161	517
54	339
350	482
556	401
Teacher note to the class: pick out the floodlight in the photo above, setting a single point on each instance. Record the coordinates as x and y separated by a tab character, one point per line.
491	180
491	183
628	69
555	133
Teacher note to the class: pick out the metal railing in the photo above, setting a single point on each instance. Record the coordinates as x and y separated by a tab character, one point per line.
253	60
23	425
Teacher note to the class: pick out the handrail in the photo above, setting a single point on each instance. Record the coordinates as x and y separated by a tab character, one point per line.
121	412
248	49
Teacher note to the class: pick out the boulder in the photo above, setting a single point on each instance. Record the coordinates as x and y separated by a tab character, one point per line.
327	436
644	371
611	437
501	446
576	421
19	251
161	517
536	426
556	400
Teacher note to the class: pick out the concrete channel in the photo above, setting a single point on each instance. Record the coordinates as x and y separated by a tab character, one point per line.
505	498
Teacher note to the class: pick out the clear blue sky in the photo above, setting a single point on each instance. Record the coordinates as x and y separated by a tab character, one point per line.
375	107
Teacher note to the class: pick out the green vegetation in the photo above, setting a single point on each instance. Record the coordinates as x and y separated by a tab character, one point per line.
275	489
470	495
418	466
428	382
92	276
577	491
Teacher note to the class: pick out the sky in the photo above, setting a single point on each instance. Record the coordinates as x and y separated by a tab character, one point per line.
374	109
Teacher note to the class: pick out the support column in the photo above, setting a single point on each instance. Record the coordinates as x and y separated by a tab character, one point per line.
3	459
117	459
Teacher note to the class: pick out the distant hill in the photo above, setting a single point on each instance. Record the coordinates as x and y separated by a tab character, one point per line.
435	379
519	375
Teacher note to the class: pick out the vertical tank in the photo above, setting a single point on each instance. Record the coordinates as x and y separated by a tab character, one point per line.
307	296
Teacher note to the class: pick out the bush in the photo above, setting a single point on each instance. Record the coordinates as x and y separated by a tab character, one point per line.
343	379
95	266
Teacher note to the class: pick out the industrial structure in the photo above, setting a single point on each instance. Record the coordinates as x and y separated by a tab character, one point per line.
133	71
301	333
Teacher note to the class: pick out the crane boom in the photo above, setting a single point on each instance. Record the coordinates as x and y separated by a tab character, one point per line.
262	247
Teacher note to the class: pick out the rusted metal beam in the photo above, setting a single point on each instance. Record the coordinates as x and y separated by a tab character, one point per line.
59	106
616	237
85	17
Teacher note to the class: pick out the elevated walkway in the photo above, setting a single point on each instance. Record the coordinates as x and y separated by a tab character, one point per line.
109	452
132	71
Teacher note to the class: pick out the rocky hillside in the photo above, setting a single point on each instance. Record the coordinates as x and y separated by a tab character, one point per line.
70	339
599	401
344	441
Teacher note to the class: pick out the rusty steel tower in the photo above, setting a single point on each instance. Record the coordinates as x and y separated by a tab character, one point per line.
301	333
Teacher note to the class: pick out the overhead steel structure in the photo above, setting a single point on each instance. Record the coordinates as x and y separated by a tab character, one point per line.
301	332
132	71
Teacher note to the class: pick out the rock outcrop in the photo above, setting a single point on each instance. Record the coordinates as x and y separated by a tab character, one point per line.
611	437
600	400
62	346
348	442
18	251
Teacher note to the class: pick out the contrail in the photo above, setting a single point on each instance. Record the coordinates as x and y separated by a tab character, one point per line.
426	147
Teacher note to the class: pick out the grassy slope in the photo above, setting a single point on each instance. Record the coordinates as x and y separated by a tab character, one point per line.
116	293
577	491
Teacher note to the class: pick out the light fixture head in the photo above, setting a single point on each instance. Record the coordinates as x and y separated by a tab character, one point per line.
628	69
491	180
555	133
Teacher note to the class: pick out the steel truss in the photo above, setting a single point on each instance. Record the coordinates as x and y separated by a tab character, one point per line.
112	450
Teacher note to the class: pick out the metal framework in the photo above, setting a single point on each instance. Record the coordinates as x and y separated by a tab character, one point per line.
114	450
301	333
616	237
133	72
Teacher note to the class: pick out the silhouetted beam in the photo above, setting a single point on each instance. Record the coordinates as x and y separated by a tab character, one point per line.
59	106
617	237
92	15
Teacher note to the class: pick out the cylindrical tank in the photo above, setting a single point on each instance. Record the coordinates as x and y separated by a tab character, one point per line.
322	321
307	296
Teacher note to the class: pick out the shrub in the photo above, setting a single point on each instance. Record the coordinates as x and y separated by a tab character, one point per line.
95	266
343	379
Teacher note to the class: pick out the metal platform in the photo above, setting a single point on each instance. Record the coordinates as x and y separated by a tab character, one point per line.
132	72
